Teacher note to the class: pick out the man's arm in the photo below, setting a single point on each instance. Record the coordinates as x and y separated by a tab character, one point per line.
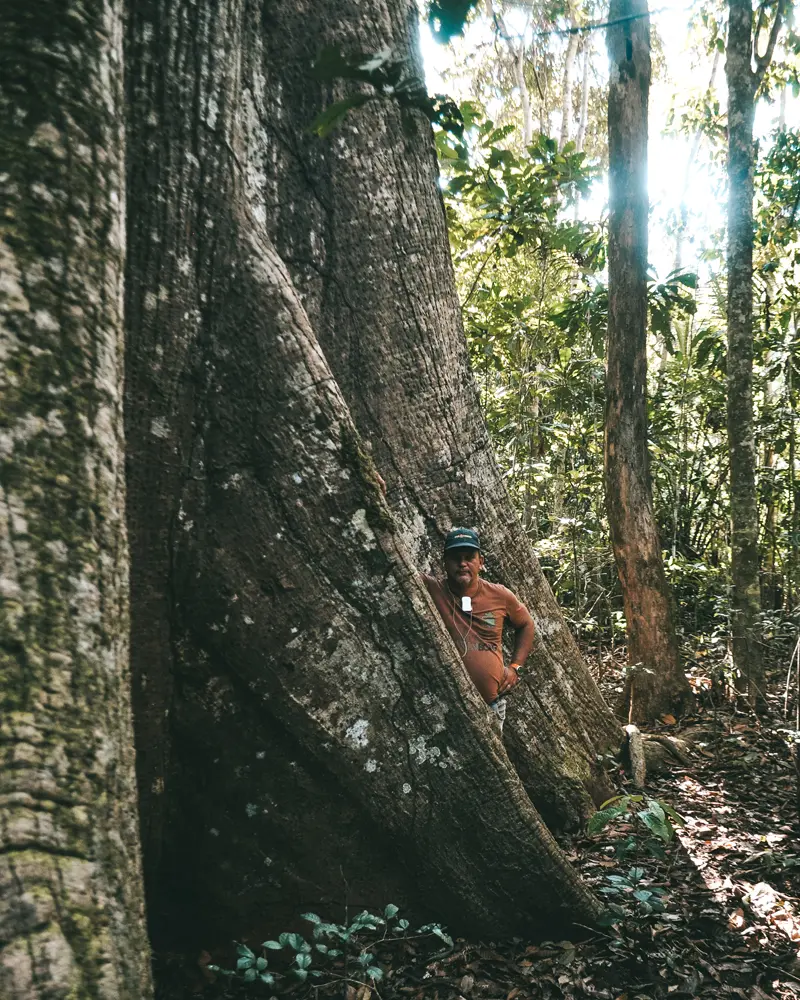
523	642
524	631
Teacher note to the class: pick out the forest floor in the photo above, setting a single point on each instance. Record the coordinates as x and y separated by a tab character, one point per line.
716	915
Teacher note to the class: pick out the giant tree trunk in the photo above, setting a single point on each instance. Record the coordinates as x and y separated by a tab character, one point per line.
656	683
323	738
360	222
71	899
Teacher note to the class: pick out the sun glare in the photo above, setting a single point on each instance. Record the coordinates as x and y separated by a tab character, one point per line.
680	178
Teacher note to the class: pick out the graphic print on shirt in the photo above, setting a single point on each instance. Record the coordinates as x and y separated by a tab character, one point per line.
478	635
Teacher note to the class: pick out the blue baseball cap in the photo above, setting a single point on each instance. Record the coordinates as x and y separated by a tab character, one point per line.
462	538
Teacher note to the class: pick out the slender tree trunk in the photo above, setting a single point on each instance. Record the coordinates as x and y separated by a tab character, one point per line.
771	589
517	52
683	216
583	122
319	718
794	507
687	175
742	85
524	94
566	83
71	898
657	683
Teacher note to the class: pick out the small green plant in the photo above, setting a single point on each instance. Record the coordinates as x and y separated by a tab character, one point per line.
335	954
634	888
657	817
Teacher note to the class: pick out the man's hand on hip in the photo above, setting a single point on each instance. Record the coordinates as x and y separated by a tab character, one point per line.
510	679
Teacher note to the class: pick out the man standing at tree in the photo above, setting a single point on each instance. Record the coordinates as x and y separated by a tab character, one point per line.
474	611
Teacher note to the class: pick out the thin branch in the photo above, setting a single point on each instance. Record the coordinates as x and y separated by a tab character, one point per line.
762	20
762	62
582	29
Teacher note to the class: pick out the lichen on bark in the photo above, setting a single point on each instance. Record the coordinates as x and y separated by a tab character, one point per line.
380	292
71	900
298	631
745	592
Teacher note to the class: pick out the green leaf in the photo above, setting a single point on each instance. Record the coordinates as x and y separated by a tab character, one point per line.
661	829
374	972
403	924
599	820
242	949
390	911
457	184
261	964
250	975
272	945
676	818
327	120
620	800
244	963
267	977
448	17
312	918
303	960
301	974
495	190
443	936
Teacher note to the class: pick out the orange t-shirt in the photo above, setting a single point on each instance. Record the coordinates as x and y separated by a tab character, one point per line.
478	634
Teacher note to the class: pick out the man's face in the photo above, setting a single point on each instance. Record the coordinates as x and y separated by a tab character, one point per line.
462	566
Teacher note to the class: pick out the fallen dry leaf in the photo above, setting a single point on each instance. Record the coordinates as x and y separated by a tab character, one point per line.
736	921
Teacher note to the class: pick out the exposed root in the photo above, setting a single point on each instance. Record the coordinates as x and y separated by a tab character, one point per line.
677	748
635	747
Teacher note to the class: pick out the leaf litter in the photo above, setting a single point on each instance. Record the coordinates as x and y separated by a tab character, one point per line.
717	916
728	889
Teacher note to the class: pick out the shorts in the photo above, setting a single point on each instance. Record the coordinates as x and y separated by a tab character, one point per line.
498	706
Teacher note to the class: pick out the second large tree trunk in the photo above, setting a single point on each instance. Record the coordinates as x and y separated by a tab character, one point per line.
360	222
71	897
656	683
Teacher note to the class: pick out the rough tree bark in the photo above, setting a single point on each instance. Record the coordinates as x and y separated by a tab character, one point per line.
319	717
743	82
360	223
71	899
656	683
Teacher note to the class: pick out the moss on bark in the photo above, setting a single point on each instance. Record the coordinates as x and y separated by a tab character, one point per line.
71	905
